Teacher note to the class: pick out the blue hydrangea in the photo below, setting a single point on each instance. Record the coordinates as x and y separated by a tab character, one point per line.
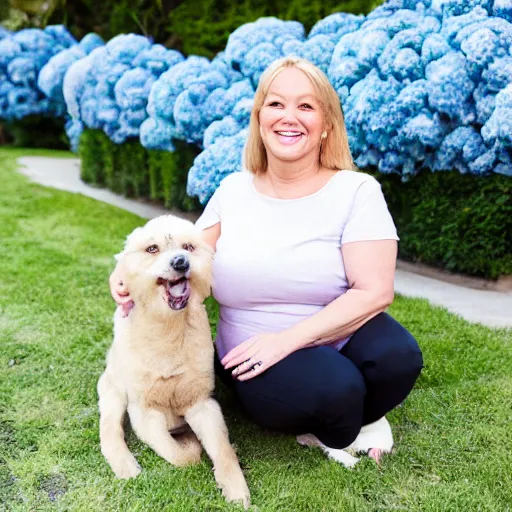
253	46
109	88
503	9
336	25
497	131
423	84
74	129
190	97
440	65
159	129
22	56
216	162
51	76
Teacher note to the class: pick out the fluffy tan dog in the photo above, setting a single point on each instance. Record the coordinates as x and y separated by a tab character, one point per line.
160	366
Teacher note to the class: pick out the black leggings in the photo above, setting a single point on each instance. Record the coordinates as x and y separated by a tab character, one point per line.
332	394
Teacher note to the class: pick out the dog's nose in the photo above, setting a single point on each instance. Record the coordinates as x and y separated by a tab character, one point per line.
180	263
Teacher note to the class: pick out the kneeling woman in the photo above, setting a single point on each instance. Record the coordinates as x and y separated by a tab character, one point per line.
303	272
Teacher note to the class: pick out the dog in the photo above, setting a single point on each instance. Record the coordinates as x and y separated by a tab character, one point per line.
160	365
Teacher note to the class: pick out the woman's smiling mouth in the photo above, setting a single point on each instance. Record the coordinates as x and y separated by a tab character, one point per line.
288	137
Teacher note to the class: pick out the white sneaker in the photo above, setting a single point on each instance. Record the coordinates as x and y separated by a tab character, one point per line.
375	439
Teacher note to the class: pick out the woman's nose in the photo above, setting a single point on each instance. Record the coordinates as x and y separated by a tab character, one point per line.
289	116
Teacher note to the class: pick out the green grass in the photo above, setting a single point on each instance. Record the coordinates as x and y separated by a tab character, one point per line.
453	434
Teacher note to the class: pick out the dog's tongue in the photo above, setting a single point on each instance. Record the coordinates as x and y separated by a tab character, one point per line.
179	289
179	294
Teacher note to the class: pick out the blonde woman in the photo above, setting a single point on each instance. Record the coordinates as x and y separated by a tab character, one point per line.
303	272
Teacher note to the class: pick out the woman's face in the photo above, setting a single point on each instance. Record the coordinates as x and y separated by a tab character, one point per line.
291	118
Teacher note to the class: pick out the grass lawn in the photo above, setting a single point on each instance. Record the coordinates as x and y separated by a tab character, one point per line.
453	434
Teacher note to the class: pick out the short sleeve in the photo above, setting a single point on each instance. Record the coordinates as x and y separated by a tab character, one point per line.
211	212
369	218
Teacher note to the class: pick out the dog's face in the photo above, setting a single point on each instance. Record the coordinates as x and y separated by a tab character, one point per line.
166	264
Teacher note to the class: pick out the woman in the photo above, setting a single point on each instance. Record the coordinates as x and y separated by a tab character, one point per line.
303	272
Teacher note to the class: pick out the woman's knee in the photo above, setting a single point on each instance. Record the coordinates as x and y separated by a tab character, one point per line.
385	350
340	396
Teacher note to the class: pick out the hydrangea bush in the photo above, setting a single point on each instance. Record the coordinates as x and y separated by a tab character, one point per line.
423	84
23	55
109	88
189	98
220	159
419	83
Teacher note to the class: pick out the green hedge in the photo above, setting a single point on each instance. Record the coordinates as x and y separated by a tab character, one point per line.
199	27
202	27
461	223
134	171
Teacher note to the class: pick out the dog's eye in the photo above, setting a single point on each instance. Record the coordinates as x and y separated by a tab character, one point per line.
188	247
152	249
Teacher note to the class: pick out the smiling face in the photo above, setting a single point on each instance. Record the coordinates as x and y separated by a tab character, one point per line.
291	118
166	259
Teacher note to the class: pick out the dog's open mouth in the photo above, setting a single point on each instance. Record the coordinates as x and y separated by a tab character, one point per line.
177	291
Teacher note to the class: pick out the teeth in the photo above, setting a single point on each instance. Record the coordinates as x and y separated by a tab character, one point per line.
289	134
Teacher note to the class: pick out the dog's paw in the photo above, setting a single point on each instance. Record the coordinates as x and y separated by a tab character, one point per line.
238	493
231	481
126	468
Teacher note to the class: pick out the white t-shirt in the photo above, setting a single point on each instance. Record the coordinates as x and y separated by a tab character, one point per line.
279	261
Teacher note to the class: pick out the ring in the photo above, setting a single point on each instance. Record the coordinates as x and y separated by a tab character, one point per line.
243	362
253	367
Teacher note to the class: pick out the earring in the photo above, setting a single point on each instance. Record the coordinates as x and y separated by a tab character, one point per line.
324	135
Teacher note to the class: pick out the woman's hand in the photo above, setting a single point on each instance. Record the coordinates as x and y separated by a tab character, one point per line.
120	293
257	354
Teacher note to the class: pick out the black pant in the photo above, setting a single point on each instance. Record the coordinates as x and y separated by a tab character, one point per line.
332	394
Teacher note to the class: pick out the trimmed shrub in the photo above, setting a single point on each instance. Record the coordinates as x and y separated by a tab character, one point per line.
131	176
199	27
96	153
171	173
132	170
202	27
459	222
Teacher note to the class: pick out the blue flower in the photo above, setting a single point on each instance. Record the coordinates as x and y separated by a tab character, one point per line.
190	97
413	74
51	76
216	162
423	84
22	56
109	88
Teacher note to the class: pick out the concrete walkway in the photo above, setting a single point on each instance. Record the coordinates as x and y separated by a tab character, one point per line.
491	308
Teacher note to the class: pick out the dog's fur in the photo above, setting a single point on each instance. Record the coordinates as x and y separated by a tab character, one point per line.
160	365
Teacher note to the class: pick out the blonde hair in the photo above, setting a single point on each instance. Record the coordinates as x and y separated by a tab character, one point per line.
334	150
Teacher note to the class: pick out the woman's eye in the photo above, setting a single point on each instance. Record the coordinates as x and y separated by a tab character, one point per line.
188	247
274	104
306	105
152	249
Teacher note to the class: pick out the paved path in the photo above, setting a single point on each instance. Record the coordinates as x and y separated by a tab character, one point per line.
490	308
